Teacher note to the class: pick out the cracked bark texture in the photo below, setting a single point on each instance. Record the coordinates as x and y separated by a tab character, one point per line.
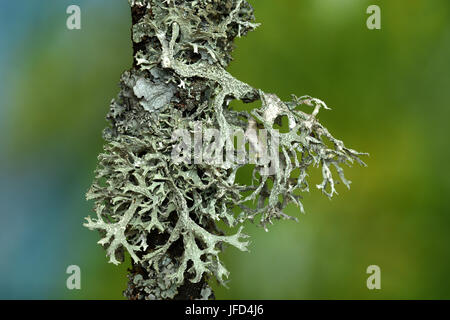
208	29
140	275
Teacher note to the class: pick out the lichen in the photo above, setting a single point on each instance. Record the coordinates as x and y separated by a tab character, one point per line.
163	212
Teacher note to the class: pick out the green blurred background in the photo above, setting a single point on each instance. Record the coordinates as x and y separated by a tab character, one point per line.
389	91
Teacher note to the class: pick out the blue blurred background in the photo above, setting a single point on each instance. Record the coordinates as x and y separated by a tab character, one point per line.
389	90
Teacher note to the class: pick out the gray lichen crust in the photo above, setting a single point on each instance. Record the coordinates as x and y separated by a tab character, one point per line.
165	213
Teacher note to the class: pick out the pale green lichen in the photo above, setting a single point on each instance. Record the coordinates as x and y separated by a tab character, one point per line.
163	212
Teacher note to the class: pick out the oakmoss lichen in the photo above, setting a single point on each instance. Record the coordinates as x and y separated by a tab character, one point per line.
164	213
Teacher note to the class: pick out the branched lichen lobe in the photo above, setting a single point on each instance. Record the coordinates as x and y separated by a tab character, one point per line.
164	213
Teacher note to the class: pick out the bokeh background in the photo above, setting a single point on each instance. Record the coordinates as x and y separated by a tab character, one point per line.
389	90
